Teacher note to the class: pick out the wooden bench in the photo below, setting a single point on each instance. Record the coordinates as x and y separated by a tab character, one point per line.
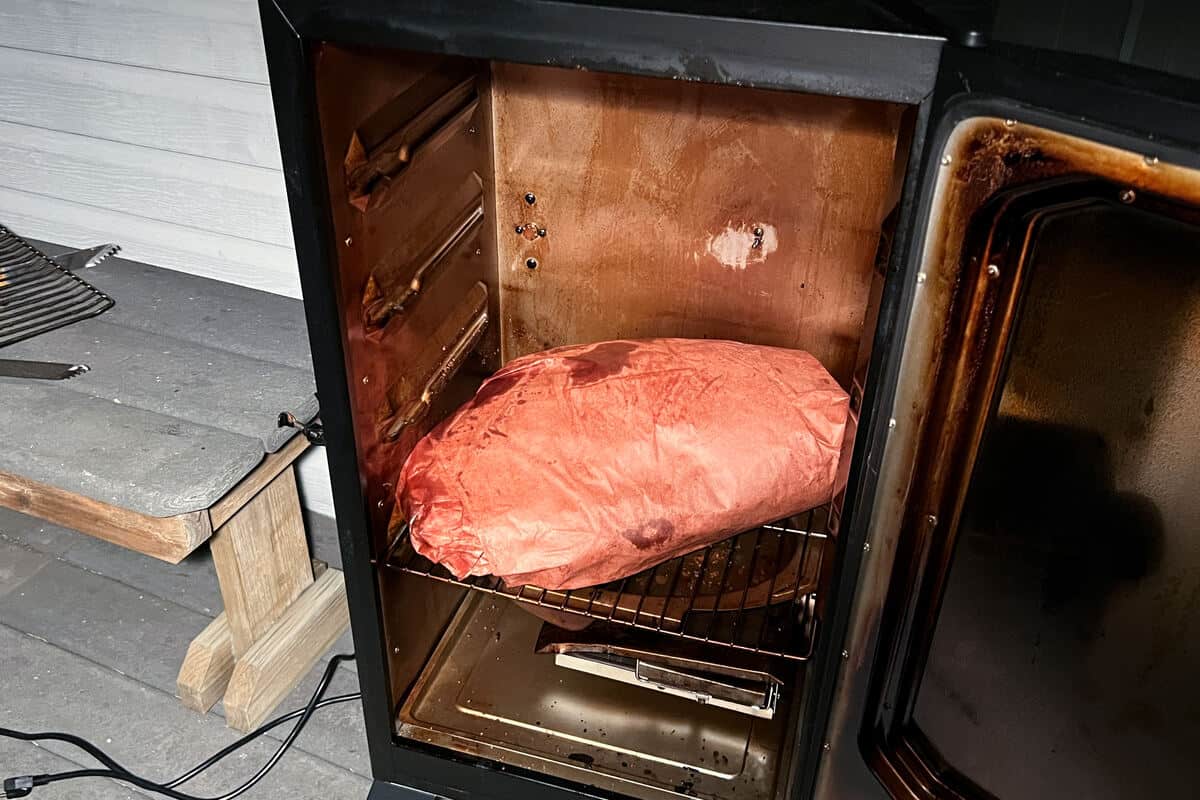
171	441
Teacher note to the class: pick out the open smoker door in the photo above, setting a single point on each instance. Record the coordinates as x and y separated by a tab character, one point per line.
1020	617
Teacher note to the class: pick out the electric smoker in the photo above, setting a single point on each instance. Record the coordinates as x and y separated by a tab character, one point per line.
991	247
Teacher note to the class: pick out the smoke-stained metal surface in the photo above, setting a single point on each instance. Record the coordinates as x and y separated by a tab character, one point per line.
1065	656
1002	184
578	726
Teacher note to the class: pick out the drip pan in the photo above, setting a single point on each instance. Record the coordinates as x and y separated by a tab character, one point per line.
486	692
702	673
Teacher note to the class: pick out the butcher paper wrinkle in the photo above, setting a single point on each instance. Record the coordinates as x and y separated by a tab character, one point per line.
585	464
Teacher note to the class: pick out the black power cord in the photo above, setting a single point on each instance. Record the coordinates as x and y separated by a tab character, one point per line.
24	784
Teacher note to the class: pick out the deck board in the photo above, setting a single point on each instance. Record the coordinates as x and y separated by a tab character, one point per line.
102	631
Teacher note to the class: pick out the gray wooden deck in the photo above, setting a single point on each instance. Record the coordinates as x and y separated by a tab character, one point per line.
91	638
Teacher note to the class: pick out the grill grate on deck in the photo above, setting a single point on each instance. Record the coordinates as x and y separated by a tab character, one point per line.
37	295
755	591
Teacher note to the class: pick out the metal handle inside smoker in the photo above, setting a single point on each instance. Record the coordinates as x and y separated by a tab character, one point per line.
702	687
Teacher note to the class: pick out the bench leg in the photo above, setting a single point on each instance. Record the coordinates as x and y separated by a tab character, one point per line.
278	620
273	665
207	667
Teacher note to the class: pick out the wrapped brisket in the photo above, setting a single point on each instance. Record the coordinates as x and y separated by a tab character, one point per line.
585	464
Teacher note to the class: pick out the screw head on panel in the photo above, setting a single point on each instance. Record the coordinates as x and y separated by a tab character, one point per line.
531	263
993	271
946	160
530	198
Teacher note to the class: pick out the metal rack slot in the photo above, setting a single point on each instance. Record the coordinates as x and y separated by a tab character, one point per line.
378	310
441	105
456	351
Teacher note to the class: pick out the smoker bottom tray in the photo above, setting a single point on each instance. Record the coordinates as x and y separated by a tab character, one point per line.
485	692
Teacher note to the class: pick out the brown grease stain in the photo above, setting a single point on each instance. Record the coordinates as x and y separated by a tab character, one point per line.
649	534
599	362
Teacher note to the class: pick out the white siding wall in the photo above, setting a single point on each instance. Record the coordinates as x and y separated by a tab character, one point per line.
148	123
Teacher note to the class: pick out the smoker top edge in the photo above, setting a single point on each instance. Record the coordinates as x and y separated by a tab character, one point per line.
888	62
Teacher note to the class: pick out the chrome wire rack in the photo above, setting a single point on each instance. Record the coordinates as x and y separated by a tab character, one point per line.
755	591
37	295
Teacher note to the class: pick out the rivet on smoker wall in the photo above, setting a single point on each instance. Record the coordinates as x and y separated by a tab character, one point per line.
826	747
993	271
530	198
892	424
1151	160
531	263
519	229
541	232
920	277
931	519
1008	123
1127	196
366	379
349	241
946	160
866	547
845	654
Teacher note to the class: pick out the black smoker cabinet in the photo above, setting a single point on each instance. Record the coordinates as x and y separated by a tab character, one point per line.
943	188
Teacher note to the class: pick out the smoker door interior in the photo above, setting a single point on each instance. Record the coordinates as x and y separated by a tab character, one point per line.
1020	622
1064	657
1037	636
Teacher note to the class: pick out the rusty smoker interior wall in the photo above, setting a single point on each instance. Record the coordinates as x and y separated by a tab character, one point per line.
650	193
638	199
483	211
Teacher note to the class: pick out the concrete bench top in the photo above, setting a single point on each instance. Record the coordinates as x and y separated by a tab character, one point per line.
188	376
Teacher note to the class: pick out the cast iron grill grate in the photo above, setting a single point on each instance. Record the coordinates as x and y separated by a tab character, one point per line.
37	295
755	591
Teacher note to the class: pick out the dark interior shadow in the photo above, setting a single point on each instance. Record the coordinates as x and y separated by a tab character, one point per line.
1049	488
